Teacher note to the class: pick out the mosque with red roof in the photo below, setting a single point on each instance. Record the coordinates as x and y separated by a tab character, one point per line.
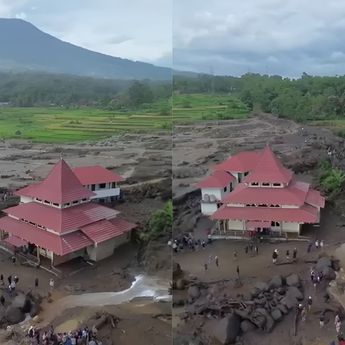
252	192
60	219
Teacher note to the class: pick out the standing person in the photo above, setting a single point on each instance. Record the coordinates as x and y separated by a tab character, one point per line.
321	244
322	320
216	259
9	278
317	244
251	246
310	244
51	284
203	244
288	255
16	279
13	260
2	300
235	255
246	249
274	257
238	271
205	267
210	259
36	282
294	254
2	279
309	302
256	249
303	314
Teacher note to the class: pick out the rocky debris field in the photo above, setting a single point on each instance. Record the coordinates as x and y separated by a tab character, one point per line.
219	315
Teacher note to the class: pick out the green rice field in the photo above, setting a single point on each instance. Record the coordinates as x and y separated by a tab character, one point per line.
198	107
53	124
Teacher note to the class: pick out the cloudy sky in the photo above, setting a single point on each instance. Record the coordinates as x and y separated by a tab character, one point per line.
134	29
266	36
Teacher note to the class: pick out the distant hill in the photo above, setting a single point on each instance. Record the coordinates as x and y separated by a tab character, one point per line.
23	47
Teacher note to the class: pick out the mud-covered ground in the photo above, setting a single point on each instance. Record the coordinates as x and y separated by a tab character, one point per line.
196	149
145	162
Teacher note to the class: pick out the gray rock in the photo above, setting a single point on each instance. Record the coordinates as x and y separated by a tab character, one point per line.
293	280
227	329
19	301
294	292
261	286
282	308
328	273
14	315
277	315
322	263
269	324
247	326
193	292
258	318
275	282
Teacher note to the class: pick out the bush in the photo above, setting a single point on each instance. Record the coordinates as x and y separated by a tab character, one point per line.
331	179
159	224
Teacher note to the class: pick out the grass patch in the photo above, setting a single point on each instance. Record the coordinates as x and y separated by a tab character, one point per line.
199	107
60	125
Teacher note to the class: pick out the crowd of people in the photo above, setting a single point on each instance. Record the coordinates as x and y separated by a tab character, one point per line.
83	336
188	242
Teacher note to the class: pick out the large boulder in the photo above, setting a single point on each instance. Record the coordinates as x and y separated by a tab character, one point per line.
19	301
328	273
293	280
14	315
294	292
282	308
322	263
258	319
227	329
247	326
293	295
277	315
275	282
193	292
261	286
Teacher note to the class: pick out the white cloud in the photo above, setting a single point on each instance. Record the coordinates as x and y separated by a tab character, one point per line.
275	35
21	15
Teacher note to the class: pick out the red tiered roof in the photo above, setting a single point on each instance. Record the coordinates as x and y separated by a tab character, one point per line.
96	174
305	214
60	186
242	162
314	198
294	194
60	245
269	169
219	179
61	220
104	230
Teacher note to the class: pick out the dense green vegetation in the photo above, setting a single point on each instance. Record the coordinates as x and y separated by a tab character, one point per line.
159	224
187	107
41	89
309	98
331	179
53	124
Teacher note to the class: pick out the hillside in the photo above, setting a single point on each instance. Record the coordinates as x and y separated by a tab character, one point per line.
24	47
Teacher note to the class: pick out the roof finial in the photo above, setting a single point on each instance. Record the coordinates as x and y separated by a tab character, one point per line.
61	153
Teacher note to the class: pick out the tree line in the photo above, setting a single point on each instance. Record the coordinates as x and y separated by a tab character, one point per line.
301	99
42	89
